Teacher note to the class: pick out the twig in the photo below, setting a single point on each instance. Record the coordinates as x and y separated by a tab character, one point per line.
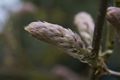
109	71
99	26
93	75
115	73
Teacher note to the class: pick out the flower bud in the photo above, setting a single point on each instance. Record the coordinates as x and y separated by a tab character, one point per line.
64	38
113	16
85	25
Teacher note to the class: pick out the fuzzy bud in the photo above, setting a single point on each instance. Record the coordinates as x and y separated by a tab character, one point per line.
61	37
85	25
113	16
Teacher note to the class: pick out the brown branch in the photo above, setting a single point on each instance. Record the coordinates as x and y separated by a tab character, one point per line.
99	26
98	33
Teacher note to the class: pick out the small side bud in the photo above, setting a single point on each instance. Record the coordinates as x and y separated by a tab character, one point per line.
85	25
113	16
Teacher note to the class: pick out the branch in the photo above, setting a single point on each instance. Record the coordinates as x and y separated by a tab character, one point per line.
98	33
115	73
109	71
99	26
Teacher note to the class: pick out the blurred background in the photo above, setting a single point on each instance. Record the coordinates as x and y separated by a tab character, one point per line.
22	57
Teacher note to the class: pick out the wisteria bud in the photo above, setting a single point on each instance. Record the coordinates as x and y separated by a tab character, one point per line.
61	37
113	16
87	38
85	25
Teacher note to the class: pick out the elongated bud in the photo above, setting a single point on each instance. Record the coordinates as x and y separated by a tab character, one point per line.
54	34
61	37
113	16
85	25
